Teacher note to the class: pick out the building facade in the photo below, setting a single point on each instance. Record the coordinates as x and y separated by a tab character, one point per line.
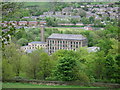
34	46
65	41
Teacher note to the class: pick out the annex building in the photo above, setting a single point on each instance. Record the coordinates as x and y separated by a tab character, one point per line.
65	41
34	46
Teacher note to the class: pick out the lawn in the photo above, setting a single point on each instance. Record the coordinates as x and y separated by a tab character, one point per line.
67	29
27	85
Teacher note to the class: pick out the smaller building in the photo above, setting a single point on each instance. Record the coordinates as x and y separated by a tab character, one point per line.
93	49
34	46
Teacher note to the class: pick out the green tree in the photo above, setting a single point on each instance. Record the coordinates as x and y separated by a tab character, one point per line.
12	56
110	67
45	66
73	20
104	45
66	69
13	11
99	69
85	20
22	42
32	67
51	21
7	70
117	73
91	19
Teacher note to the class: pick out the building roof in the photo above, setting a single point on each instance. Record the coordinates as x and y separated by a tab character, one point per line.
37	42
66	36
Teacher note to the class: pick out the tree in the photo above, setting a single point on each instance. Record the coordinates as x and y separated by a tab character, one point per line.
73	20
99	69
51	21
7	70
38	65
22	42
91	19
32	67
12	11
117	73
110	67
85	20
45	66
12	57
66	69
104	45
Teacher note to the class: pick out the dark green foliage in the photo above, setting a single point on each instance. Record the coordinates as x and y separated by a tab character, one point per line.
13	11
74	21
65	69
22	42
51	21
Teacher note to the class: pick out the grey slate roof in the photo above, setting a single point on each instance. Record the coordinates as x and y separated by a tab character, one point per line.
37	42
67	36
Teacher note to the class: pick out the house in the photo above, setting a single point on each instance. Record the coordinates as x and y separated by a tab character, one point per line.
42	22
48	13
22	23
65	41
15	23
88	28
67	10
58	13
34	17
32	23
4	23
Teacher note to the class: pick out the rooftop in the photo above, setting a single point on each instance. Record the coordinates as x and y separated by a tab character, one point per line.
66	36
37	42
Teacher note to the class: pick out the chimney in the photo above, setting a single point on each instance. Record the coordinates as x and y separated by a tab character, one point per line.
42	33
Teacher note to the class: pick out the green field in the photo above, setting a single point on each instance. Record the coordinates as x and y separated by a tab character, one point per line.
42	5
66	29
26	85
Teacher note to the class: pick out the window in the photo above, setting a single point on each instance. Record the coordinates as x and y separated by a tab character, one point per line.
66	42
76	46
